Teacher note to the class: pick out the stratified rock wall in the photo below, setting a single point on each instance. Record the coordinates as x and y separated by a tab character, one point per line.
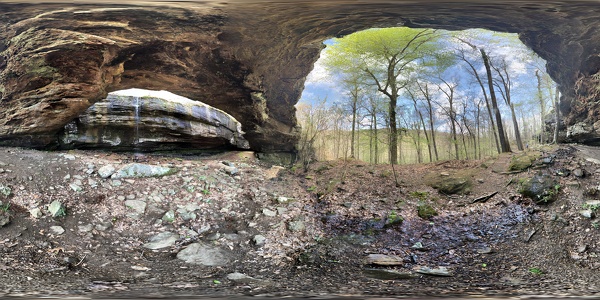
248	58
139	120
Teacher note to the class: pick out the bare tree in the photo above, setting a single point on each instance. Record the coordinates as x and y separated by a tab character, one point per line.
504	145
504	85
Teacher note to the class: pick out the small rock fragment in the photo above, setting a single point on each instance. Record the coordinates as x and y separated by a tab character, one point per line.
439	271
384	260
56	209
162	240
269	213
57	230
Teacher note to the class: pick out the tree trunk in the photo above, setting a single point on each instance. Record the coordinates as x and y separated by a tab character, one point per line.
542	107
516	125
556	114
504	146
393	130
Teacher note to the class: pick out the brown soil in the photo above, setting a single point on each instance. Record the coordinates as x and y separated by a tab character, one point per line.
493	247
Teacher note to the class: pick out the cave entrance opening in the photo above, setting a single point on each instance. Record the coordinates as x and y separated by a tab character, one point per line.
442	93
141	120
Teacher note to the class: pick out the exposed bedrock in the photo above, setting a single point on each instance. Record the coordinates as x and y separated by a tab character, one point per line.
247	58
144	120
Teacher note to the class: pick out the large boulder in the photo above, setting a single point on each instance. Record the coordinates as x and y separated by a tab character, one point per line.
144	119
449	183
541	188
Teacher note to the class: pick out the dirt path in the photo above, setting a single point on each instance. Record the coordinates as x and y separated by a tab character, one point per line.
274	231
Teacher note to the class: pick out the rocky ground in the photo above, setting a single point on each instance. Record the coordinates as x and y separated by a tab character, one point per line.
84	222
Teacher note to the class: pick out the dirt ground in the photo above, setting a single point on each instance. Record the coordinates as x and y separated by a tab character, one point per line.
292	232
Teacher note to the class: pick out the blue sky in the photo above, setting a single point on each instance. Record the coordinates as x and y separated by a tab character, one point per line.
521	62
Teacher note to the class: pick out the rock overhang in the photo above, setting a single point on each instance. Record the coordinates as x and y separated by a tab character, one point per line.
248	58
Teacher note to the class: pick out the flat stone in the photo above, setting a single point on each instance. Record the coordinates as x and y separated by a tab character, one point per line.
169	216
269	213
586	213
203	254
106	171
136	170
56	209
5	218
384	260
137	205
385	274
296	226
75	187
85	228
57	230
259	240
439	271
242	278
35	213
162	240
578	172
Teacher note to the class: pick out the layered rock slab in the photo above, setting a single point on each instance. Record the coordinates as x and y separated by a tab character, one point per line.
138	119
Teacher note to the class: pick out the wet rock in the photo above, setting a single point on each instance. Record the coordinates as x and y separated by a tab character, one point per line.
136	170
385	274
106	171
57	230
162	240
203	254
56	209
439	271
128	119
541	188
137	206
384	260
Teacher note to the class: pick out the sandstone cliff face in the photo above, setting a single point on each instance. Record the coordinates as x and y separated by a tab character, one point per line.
144	120
248	58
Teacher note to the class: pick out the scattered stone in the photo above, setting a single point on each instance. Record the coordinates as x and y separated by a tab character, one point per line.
393	219
5	191
162	240
281	210
35	213
269	213
347	204
75	187
541	188
57	230
586	213
273	172
140	268
106	171
283	200
136	205
385	274
69	156
259	240
242	278
384	260
418	246
439	271
296	226
169	216
579	173
426	211
230	170
116	183
3	164
547	160
520	163
137	170
485	250
457	183
85	228
57	209
203	254
5	218
103	227
213	236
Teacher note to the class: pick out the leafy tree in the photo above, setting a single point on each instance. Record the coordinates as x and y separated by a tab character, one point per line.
387	56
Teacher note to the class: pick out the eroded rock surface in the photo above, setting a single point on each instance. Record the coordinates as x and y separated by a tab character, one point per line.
248	58
140	119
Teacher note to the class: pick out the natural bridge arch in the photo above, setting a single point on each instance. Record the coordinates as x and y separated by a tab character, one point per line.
248	58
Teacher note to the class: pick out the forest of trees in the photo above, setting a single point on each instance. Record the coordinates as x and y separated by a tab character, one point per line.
422	95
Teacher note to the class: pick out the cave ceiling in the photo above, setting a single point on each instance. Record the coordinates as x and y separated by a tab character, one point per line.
248	58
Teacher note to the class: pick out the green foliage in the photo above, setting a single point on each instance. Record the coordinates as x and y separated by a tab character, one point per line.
393	219
422	196
426	211
593	207
312	188
536	271
4	206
